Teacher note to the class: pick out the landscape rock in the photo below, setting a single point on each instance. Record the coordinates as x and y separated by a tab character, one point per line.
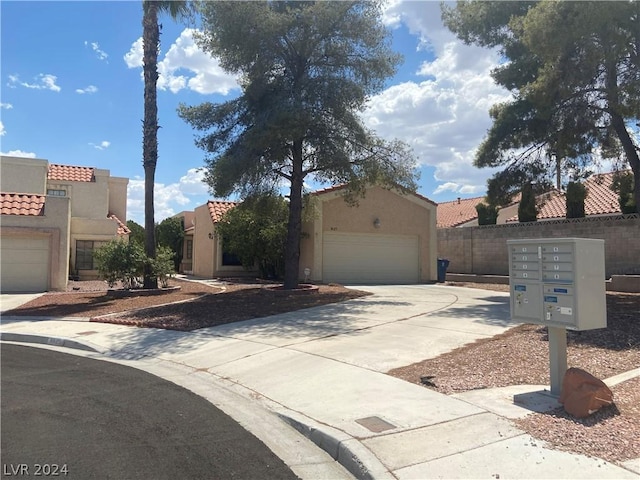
583	394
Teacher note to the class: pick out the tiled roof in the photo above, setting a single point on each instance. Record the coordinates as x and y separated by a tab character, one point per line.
457	212
341	186
21	204
122	228
70	173
601	200
217	209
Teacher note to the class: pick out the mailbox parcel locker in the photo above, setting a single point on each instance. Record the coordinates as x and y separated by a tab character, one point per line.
558	282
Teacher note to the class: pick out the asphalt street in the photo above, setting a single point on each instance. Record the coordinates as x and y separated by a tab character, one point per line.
75	417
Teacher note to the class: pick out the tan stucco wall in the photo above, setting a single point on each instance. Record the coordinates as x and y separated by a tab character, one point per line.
99	230
204	248
23	175
398	214
118	197
55	225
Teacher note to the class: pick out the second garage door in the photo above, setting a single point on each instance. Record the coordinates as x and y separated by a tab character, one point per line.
25	264
368	259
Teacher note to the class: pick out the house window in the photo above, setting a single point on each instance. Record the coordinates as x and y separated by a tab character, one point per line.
84	254
229	259
189	253
56	192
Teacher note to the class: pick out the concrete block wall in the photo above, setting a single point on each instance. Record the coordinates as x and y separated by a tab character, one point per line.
483	250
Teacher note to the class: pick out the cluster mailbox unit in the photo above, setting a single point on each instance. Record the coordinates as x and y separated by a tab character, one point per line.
560	283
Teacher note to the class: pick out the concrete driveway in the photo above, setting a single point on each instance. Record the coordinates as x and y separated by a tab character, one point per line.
9	301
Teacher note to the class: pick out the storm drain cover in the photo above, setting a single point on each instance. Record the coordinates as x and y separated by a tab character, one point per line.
375	424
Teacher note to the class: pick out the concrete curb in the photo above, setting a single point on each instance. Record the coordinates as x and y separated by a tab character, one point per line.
344	449
44	340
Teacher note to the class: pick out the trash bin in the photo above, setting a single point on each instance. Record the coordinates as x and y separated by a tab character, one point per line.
443	263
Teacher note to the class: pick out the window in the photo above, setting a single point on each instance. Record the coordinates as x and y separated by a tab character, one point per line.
229	259
84	254
189	253
56	192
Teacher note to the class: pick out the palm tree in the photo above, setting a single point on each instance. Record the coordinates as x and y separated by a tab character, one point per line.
151	45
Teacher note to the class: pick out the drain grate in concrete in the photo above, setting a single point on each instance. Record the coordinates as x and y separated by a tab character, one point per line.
375	424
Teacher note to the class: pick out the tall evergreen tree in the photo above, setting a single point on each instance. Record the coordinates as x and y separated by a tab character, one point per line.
307	70
574	71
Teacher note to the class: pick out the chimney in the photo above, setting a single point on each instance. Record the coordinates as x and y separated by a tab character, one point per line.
458	200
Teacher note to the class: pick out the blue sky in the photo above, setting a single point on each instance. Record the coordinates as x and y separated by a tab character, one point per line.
71	92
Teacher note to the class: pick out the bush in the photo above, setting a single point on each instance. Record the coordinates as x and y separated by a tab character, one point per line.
121	261
623	185
527	211
125	261
487	214
576	195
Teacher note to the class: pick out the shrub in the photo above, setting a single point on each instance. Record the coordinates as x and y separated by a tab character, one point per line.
527	211
125	261
623	185
576	195
121	261
487	214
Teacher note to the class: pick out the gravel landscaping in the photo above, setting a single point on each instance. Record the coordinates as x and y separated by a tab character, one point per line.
521	356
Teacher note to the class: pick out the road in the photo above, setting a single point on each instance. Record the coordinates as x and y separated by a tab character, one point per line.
83	418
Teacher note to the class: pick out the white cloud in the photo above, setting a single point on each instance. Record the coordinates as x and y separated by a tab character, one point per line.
18	153
101	146
445	116
186	66
101	55
2	130
186	194
44	81
6	106
89	89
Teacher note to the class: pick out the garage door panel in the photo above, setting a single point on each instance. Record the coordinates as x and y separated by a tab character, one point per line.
366	258
24	264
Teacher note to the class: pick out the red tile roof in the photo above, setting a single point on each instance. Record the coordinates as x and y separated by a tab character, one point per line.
22	204
70	173
457	212
122	228
217	209
601	200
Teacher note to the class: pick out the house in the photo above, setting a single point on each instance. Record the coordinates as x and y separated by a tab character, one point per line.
601	200
389	237
53	218
203	250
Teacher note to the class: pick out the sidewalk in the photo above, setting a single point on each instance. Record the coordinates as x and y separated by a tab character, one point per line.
322	371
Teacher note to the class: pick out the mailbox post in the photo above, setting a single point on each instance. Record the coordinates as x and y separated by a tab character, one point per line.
558	282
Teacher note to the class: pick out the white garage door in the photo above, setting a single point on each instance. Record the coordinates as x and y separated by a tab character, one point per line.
24	264
367	259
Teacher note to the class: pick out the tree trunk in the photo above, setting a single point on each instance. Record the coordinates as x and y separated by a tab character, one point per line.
617	122
294	229
150	42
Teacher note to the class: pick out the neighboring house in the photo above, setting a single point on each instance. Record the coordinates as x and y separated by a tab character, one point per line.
601	200
204	248
389	238
53	218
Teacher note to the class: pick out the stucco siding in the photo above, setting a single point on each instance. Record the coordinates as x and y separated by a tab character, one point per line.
23	175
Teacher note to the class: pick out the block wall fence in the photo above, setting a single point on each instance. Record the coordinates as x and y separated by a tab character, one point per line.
483	250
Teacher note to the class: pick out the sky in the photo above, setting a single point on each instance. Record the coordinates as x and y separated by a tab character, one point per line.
71	92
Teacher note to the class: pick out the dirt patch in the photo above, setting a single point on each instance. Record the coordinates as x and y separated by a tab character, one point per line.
521	356
194	306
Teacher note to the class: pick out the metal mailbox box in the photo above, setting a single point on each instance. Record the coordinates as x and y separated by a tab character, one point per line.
558	282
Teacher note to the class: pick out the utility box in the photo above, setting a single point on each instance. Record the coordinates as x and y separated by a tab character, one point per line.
558	282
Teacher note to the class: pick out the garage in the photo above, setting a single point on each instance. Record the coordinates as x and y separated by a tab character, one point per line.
25	264
351	258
